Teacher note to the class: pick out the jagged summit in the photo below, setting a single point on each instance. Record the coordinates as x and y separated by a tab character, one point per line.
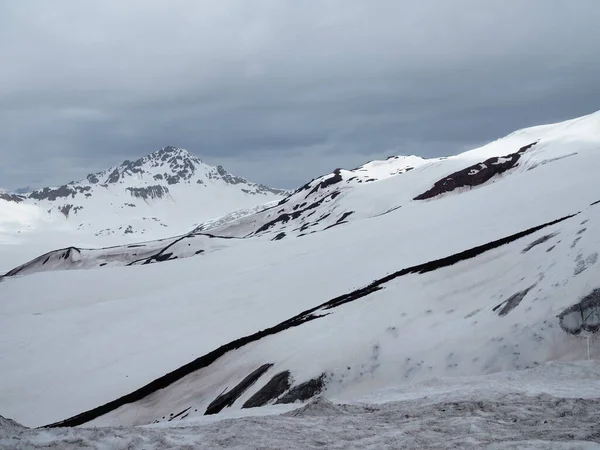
170	163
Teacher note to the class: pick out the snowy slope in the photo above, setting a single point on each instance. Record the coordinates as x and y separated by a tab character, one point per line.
382	187
472	279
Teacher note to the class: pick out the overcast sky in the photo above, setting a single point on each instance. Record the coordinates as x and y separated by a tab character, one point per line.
280	91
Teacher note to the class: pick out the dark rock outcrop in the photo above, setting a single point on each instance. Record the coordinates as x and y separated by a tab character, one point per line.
64	191
11	197
229	397
474	175
304	391
65	209
582	316
270	391
335	178
149	192
286	217
93	179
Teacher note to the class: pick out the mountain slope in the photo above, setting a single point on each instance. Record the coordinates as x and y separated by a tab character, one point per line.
497	270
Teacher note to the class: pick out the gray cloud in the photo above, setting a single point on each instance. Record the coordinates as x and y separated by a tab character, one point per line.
282	91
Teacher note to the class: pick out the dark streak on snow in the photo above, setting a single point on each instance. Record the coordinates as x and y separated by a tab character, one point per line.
539	241
341	220
435	265
512	302
388	211
179	414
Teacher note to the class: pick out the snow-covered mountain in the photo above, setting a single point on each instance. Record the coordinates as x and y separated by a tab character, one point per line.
163	194
395	273
169	188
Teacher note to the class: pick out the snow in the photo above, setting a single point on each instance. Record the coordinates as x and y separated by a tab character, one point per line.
71	340
500	411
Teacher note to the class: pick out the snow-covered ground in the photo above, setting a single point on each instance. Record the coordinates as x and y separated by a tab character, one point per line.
554	406
452	267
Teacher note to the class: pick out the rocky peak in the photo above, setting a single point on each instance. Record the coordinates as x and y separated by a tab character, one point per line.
170	163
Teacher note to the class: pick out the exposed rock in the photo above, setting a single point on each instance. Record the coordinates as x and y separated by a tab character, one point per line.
173	179
285	217
93	179
229	178
341	220
335	178
270	391
64	191
474	175
113	177
65	209
228	398
149	192
582	316
304	391
11	197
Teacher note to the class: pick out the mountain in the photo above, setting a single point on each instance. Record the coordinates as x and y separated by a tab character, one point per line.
360	283
169	188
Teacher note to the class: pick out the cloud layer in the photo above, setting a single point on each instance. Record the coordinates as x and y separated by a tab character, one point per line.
282	91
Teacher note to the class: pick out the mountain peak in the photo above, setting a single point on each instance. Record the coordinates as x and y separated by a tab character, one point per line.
169	152
170	163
